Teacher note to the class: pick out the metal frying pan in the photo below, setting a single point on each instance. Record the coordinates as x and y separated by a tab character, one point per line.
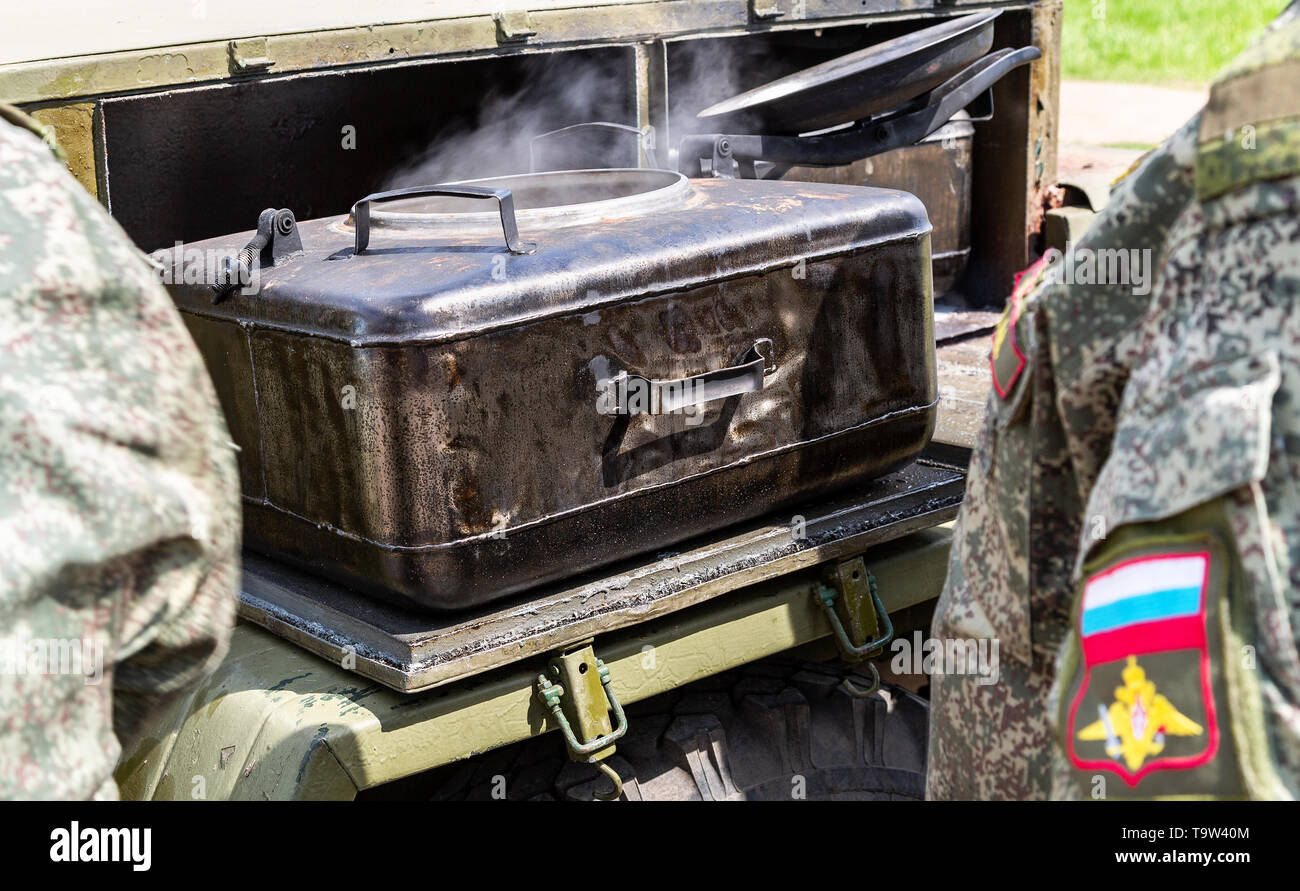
860	84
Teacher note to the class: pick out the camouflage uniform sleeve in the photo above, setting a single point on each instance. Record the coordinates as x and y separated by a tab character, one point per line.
1060	360
1180	676
119	512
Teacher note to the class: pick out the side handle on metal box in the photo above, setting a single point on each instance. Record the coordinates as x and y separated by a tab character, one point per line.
506	201
632	394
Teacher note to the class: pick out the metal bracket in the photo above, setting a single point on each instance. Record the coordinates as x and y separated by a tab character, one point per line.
577	690
857	617
276	240
578	695
765	10
515	26
248	55
723	163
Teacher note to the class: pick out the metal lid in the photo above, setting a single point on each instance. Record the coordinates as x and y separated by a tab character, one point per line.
422	285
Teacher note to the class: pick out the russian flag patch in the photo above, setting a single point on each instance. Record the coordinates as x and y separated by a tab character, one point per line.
1145	605
1144	698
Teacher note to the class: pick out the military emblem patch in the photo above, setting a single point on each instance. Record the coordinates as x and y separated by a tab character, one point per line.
1007	361
1144	699
1006	358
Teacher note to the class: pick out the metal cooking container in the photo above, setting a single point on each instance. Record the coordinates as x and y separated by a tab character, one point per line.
440	420
936	170
861	84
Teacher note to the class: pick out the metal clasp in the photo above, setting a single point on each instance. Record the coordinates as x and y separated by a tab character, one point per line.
577	690
514	26
248	55
857	617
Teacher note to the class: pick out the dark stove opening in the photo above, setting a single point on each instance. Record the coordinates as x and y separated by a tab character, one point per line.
196	163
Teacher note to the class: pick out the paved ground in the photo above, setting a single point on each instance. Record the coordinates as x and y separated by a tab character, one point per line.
1123	114
1105	127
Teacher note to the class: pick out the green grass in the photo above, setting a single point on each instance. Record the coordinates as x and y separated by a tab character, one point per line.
1170	42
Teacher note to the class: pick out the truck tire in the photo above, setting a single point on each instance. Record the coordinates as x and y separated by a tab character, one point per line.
777	729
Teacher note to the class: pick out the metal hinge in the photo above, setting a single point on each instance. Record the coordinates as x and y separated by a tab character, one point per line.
765	10
249	54
857	618
577	691
515	26
276	241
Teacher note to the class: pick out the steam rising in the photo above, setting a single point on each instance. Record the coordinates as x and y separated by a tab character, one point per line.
558	89
561	89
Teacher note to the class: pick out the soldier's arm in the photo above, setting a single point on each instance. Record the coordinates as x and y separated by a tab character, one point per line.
1182	663
120	502
1059	361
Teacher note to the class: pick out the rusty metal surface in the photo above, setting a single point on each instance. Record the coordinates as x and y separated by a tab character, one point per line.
1045	103
473	463
1014	158
74	129
412	651
938	171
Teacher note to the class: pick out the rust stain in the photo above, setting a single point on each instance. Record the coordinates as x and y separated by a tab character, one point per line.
473	519
451	370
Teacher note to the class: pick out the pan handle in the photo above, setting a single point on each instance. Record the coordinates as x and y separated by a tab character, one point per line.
966	85
867	138
506	201
632	394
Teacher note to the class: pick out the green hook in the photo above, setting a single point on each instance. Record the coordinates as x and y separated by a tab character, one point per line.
613	775
826	597
849	687
552	693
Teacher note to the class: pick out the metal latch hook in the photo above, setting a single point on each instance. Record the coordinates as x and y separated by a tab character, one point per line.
849	687
826	596
578	697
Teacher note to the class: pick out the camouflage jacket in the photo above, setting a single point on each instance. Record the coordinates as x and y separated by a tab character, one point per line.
119	512
1130	527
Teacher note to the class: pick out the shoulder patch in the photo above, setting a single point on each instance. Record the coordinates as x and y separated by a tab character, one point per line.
1006	359
1141	703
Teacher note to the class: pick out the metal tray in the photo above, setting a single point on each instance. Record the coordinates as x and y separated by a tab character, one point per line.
410	651
857	85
